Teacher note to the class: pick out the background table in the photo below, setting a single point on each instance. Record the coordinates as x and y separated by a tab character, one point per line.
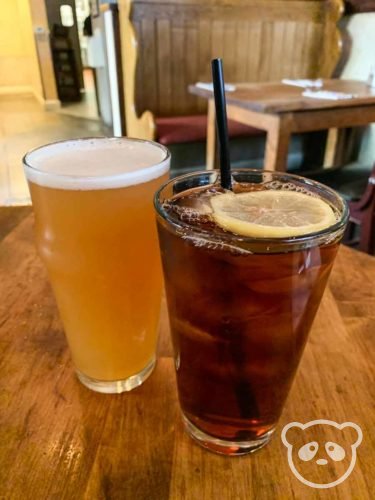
58	440
282	110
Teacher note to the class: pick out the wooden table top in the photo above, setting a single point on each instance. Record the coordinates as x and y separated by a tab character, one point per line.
58	440
276	97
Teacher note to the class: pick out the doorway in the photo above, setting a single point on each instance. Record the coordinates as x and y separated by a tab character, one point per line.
68	22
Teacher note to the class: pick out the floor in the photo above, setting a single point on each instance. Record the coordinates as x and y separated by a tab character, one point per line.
25	125
87	107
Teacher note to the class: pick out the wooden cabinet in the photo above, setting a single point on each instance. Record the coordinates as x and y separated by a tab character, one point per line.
65	66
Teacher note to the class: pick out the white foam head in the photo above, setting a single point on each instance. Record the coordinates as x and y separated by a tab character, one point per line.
97	163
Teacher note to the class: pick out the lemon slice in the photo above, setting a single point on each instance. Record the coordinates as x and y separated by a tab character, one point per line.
271	214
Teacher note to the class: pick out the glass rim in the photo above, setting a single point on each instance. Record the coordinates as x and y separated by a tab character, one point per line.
230	237
28	164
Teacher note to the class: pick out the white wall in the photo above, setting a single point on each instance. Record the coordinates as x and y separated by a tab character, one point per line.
19	67
361	29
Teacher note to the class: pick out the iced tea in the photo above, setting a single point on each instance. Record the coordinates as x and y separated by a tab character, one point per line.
240	309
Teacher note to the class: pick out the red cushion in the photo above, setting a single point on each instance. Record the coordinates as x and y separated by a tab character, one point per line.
177	129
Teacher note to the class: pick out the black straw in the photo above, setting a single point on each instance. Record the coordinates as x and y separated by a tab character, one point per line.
247	404
221	122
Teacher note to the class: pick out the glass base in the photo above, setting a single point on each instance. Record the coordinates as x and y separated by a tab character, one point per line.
225	447
117	386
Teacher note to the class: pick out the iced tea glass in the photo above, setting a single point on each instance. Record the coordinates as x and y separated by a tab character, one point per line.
95	232
240	309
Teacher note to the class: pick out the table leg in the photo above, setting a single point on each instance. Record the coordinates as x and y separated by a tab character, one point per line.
277	146
211	154
342	146
330	152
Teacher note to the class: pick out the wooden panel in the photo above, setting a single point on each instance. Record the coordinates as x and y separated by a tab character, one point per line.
277	52
140	95
267	10
254	52
332	40
299	49
305	42
164	65
316	33
356	6
289	49
205	40
266	44
178	65
191	66
217	39
259	40
149	80
229	52
204	54
241	49
238	3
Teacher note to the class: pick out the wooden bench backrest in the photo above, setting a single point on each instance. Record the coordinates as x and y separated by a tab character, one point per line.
259	40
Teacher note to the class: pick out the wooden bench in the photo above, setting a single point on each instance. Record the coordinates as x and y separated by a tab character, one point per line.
167	45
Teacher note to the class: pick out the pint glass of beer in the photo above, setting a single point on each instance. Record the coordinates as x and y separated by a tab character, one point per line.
95	233
245	271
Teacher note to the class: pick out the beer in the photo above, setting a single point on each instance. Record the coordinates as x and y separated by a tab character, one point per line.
240	308
95	233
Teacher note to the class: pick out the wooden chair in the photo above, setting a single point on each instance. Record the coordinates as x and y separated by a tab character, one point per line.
356	183
362	213
168	44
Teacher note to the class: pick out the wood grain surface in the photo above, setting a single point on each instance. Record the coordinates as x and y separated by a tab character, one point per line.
277	97
58	440
282	110
359	6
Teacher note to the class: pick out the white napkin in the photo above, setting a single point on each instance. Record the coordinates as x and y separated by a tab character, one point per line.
327	94
303	83
209	86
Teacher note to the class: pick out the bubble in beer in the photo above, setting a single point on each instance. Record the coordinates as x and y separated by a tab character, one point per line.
100	163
